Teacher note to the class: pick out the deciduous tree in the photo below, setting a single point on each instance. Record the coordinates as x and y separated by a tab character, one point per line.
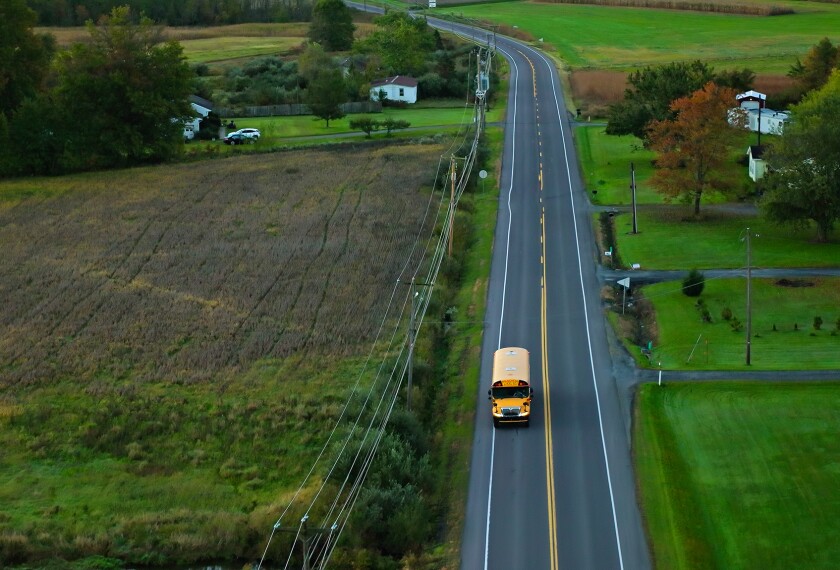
693	145
325	94
332	25
24	56
125	93
401	43
814	70
803	183
651	92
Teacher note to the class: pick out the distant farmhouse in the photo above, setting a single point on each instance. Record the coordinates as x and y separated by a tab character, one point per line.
202	108
396	88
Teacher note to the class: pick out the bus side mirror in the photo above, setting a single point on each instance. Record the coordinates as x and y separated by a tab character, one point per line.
489	394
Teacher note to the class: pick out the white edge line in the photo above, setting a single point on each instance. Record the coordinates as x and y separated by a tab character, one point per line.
585	308
504	290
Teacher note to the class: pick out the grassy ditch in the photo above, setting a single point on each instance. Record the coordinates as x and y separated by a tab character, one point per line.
739	475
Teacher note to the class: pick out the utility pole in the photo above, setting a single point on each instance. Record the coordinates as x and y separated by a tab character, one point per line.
304	536
749	291
633	189
411	335
452	169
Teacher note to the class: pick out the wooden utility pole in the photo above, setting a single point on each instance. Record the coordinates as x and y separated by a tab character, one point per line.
749	295
411	335
633	189
452	204
304	536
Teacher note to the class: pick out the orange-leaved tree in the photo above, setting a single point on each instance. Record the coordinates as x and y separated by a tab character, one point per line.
693	145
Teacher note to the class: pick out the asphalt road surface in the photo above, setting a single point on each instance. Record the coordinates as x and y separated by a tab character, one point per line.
561	493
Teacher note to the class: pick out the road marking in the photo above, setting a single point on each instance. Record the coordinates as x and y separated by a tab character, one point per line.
502	313
549	445
585	309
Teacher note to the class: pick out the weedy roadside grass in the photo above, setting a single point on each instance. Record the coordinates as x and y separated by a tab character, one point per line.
783	333
739	475
602	37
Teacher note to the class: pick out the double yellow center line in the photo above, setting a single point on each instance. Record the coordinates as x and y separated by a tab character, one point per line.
549	454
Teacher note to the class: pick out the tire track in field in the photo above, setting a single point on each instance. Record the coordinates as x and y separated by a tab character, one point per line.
98	289
301	283
304	278
327	281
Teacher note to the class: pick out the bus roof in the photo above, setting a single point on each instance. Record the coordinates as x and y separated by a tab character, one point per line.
511	363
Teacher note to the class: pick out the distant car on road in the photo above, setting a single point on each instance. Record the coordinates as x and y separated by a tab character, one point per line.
250	133
237	138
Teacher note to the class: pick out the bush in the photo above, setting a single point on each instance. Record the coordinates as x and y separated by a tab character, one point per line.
726	313
818	323
693	283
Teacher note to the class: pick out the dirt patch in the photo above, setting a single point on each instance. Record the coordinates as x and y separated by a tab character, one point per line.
794	283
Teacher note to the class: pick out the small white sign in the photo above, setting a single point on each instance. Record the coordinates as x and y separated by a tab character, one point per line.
482	174
432	3
624	282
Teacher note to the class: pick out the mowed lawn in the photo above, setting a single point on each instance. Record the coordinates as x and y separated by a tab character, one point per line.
605	166
685	340
669	239
627	38
740	475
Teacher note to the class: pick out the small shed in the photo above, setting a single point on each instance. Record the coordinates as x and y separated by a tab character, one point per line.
396	88
758	166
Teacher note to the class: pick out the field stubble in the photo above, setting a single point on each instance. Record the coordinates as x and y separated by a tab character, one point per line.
182	273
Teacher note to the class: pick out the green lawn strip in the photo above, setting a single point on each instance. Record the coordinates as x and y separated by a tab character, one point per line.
628	38
717	346
309	125
747	472
605	164
670	507
668	239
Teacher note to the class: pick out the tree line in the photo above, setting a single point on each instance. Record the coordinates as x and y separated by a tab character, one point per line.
685	112
173	12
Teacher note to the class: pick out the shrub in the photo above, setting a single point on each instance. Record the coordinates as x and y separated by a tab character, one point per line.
693	283
735	324
365	124
818	323
726	313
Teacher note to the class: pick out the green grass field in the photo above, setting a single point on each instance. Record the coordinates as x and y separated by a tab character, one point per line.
210	50
740	475
629	38
605	165
668	240
718	346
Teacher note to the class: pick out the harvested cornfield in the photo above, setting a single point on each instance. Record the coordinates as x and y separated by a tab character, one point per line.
184	273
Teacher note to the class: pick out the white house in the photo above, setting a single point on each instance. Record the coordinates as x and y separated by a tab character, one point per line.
396	88
758	166
202	108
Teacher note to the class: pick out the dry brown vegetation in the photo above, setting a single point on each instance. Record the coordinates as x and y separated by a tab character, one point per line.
186	272
718	6
595	90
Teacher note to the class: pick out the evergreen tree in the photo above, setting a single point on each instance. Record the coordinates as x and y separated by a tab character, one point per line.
325	95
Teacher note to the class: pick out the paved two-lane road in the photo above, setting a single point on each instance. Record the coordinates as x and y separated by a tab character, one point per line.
560	494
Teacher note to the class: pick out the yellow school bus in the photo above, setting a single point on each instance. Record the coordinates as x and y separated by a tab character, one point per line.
510	392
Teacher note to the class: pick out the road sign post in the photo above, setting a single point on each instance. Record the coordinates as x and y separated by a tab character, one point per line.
482	174
625	284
